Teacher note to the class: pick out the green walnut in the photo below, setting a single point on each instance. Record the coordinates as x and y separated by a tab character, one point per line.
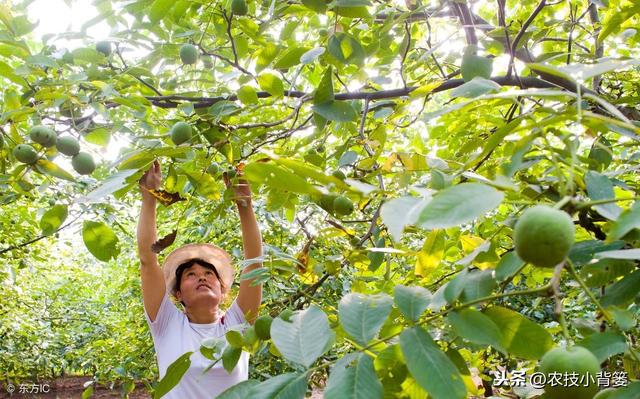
543	236
207	62
181	132
68	145
188	54
231	173
104	47
213	169
70	110
239	7
83	163
326	202
263	327
577	360
43	135
474	65
25	153
342	206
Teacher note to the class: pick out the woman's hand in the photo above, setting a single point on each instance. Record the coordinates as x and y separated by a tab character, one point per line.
241	188
151	179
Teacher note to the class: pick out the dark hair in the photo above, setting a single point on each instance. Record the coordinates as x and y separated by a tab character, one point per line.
185	265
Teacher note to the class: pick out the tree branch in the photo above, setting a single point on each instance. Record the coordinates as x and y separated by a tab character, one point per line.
464	14
24	244
201	102
595	20
523	30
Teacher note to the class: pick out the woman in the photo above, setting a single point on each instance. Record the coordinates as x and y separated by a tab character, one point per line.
199	276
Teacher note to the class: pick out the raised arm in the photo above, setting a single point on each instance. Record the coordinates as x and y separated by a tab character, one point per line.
249	297
153	286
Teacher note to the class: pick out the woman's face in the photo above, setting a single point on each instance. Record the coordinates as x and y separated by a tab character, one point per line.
199	286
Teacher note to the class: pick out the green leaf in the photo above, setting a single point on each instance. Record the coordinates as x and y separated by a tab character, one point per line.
453	288
431	368
305	338
474	66
230	357
477	284
583	252
587	71
42	60
159	9
627	221
234	338
100	136
88	55
346	49
324	92
310	171
50	168
625	319
319	6
412	301
271	84
110	185
376	258
100	240
339	111
223	108
351	8
520	336
362	315
601	153
284	386
398	213
240	390
620	254
459	204
616	19
53	219
311	55
141	159
174	374
247	95
475	87
604	345
509	264
476	327
353	377
276	177
632	391
623	291
599	187
603	271
290	58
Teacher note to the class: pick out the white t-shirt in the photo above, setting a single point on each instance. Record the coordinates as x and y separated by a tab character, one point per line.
173	335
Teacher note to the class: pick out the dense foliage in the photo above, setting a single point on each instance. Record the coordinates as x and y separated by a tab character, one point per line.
391	147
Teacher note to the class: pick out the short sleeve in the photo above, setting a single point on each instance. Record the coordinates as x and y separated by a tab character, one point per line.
167	316
234	315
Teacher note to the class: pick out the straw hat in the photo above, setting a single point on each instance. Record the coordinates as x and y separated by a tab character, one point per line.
208	253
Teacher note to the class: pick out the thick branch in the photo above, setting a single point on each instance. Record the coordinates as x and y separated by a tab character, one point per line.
464	14
201	102
595	20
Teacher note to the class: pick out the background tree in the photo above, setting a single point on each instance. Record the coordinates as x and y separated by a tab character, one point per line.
391	145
